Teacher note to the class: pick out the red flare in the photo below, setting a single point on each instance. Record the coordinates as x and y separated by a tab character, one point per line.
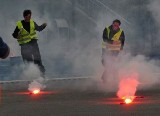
128	87
36	91
128	101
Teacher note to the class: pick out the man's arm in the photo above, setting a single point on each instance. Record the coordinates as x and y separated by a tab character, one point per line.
40	28
105	37
122	39
15	33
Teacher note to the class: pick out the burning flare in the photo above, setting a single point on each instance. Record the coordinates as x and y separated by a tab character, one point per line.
36	91
127	88
36	86
128	101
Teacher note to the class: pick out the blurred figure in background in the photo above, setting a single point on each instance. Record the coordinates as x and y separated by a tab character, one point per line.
112	44
113	40
4	49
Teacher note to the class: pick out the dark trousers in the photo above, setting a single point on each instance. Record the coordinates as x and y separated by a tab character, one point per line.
30	53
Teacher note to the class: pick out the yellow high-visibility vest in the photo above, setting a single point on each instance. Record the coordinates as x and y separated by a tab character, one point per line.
116	37
23	35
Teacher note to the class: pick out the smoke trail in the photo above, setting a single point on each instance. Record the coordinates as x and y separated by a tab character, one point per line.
131	73
31	72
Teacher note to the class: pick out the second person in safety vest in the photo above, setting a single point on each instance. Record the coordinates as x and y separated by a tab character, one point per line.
26	35
113	40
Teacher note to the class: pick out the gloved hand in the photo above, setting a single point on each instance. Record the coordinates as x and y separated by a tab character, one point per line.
116	42
44	24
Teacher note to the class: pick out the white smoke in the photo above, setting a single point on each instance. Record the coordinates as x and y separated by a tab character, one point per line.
127	65
128	68
31	72
81	54
37	84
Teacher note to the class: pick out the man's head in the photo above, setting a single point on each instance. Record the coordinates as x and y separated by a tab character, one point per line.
27	15
116	24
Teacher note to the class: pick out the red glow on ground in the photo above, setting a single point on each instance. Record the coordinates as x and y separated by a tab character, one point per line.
129	97
40	92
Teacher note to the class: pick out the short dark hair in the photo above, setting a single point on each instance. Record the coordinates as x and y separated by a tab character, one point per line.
26	12
117	21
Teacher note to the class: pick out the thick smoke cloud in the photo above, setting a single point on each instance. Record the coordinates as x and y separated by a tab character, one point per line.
139	34
80	54
59	56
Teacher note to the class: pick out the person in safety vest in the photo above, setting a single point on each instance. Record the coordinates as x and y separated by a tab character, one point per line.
25	33
113	40
4	49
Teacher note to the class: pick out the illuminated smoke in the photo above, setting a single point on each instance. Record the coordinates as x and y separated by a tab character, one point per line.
36	85
36	91
127	87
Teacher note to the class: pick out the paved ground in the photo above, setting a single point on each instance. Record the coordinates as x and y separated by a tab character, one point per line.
66	102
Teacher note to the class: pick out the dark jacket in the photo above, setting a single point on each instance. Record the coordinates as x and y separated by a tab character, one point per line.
112	33
4	49
26	26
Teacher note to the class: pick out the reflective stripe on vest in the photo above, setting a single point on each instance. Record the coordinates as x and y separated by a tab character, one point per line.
24	36
116	37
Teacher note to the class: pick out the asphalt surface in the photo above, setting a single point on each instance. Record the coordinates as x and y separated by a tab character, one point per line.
75	102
